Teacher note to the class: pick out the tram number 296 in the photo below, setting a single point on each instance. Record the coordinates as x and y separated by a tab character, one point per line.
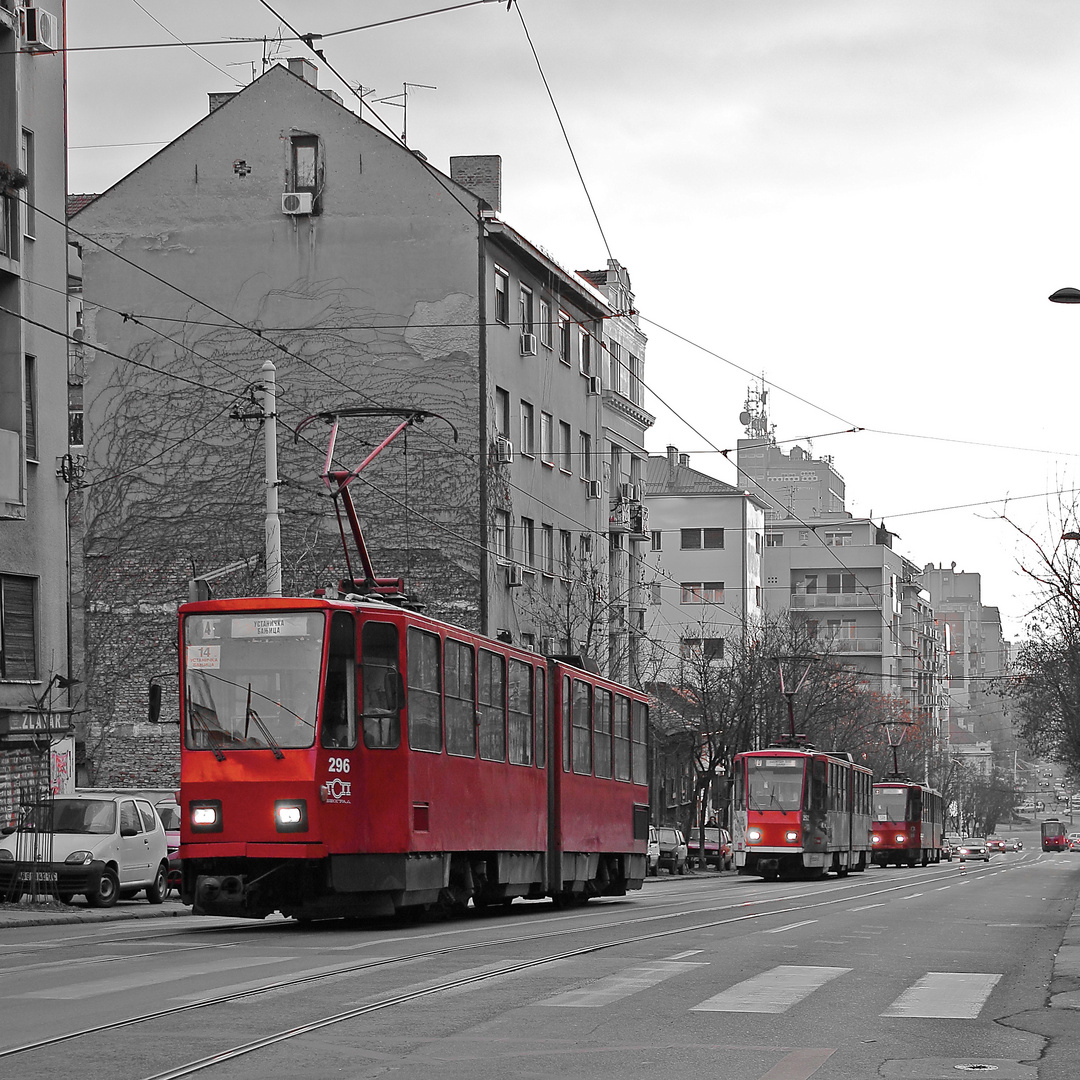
339	764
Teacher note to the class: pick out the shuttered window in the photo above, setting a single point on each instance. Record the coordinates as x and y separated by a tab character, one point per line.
18	629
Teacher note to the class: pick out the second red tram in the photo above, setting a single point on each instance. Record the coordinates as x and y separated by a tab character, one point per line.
800	811
348	757
908	823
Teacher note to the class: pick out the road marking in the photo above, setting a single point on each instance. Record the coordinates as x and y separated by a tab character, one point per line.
952	994
684	955
131	980
910	896
790	926
798	1065
943	888
772	991
616	987
865	907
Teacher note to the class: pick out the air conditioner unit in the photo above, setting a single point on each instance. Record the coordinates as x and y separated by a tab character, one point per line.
504	450
596	489
547	646
296	202
528	344
596	386
40	30
627	492
514	576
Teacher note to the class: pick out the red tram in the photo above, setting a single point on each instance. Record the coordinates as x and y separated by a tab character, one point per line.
800	811
908	823
347	757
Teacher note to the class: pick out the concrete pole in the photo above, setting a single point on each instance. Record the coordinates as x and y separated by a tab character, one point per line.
273	522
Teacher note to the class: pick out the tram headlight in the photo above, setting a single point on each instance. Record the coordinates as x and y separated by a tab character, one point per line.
900	838
205	816
792	836
290	815
753	836
876	839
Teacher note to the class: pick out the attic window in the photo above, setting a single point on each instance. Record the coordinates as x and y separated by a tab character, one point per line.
305	154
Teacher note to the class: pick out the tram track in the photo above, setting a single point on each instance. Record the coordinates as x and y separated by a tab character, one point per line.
773	906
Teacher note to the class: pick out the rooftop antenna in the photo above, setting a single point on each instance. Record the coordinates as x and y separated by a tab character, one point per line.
403	104
755	414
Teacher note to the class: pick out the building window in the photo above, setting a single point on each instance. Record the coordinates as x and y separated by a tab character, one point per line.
757	543
757	595
613	363
711	648
585	351
502	535
31	411
566	448
528	433
545	323
637	379
528	542
305	163
702	592
502	296
774	539
502	412
566	548
838	539
564	337
18	629
585	444
840	583
29	196
547	549
695	539
657	536
525	309
547	449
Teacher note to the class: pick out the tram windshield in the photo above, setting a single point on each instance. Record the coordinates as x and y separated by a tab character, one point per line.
251	680
774	783
890	804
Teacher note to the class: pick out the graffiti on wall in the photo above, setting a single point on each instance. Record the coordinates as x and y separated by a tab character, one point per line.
62	766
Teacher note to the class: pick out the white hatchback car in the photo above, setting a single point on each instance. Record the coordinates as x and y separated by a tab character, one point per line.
100	845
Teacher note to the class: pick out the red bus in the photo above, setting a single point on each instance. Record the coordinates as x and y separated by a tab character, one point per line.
1053	835
800	811
348	757
908	823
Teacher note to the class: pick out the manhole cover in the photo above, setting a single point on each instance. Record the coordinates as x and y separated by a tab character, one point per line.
976	1067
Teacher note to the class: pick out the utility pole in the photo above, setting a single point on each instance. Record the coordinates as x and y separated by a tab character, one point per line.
273	520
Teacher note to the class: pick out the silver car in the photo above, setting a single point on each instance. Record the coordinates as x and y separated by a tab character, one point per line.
973	847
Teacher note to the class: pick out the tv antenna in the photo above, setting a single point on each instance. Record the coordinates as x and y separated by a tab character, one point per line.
403	104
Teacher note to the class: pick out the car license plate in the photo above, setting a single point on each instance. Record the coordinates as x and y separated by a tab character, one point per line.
44	877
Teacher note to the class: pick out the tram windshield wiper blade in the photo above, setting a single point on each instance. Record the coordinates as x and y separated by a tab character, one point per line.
251	714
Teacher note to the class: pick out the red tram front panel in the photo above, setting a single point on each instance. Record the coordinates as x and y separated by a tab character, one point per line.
907	823
799	812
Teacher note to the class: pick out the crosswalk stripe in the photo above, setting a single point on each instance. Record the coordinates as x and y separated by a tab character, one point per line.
949	994
772	991
616	987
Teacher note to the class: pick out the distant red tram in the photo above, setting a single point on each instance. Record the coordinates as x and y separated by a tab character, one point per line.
908	824
347	757
800	811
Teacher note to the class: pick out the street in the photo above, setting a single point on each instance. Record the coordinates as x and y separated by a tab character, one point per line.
919	973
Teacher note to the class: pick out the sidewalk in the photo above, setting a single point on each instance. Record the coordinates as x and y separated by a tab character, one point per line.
55	913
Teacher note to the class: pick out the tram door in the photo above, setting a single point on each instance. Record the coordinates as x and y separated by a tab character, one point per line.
336	767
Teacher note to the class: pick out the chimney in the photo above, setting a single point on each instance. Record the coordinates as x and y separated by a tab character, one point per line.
672	456
684	459
482	175
304	69
217	100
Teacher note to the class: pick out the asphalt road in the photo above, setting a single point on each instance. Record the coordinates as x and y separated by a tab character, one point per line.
920	974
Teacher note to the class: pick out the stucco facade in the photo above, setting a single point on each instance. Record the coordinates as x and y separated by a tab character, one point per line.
393	286
34	641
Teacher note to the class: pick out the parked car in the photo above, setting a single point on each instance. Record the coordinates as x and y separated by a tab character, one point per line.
995	844
718	850
102	846
973	847
652	853
169	812
949	843
672	850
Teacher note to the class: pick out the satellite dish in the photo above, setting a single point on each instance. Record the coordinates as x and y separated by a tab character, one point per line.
744	417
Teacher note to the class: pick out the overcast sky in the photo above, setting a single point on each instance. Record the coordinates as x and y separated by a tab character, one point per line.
866	202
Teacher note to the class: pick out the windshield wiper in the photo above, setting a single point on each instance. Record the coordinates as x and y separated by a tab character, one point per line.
251	714
198	720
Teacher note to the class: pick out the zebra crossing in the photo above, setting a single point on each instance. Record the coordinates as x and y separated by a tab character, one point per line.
940	994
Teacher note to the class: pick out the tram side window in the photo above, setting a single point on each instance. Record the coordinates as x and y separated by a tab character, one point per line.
603	733
640	734
521	713
622	737
567	726
738	797
425	690
492	678
818	794
582	727
460	681
339	690
380	703
541	718
915	809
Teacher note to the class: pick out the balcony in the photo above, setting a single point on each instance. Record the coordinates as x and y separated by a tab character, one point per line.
855	644
639	522
619	517
834	600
